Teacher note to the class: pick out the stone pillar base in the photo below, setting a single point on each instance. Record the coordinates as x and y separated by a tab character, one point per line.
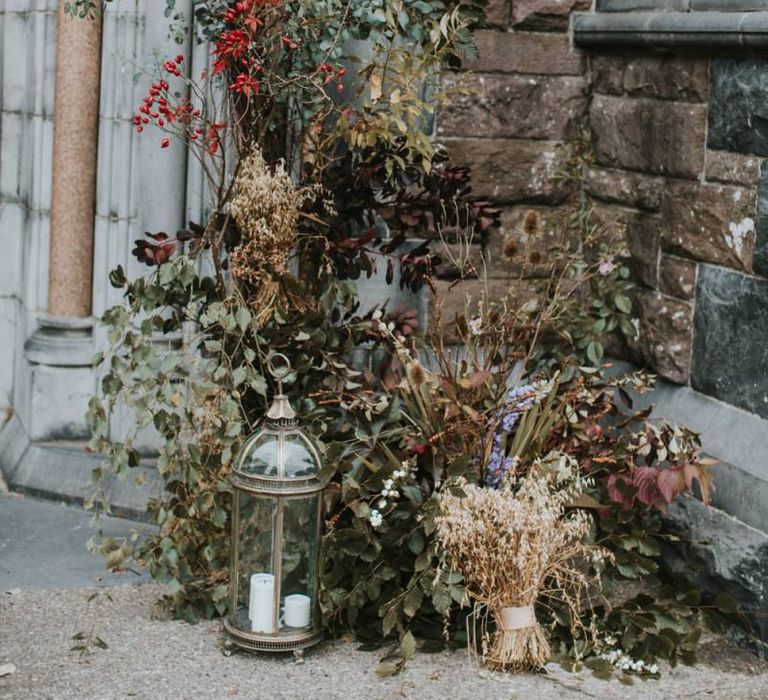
60	379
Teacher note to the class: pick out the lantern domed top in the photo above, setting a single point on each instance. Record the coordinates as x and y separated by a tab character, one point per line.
279	457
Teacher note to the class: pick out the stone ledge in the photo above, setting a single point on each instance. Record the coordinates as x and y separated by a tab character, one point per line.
733	436
744	31
722	554
61	471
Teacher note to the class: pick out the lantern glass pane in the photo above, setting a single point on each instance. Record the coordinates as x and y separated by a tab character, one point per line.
262	456
300	461
254	567
299	562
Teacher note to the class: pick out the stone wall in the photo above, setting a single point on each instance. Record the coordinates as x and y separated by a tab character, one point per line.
677	145
527	99
679	166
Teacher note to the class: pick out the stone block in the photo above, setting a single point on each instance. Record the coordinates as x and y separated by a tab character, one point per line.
539	53
634	5
665	334
641	233
58	402
8	327
732	168
512	170
649	135
497	13
708	222
683	78
727	434
730	355
13	221
677	277
738	114
729	5
760	259
722	554
460	300
515	106
625	187
546	15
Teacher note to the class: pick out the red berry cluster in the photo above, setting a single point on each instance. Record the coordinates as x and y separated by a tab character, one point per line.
157	109
333	73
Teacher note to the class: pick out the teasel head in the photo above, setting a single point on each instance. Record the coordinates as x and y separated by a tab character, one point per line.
532	223
510	248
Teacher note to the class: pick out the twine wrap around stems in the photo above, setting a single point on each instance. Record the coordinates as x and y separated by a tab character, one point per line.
519	642
516	618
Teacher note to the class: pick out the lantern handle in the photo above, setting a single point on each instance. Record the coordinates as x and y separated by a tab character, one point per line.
279	366
280	369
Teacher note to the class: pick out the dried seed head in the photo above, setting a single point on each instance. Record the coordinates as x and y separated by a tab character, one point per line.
510	248
532	223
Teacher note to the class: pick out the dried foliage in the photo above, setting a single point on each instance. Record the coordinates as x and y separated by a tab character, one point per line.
512	546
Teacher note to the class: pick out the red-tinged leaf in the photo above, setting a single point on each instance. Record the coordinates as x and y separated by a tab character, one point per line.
672	482
646	481
618	490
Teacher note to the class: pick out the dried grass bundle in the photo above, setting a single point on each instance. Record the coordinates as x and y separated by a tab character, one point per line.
509	544
266	205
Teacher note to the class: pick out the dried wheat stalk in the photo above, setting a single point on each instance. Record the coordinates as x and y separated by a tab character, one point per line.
509	544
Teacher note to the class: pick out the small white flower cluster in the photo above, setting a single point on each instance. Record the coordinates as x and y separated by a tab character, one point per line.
619	659
389	494
475	325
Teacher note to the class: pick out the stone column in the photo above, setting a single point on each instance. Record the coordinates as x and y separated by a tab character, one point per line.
75	144
60	378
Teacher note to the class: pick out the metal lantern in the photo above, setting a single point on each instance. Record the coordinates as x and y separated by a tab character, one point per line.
276	527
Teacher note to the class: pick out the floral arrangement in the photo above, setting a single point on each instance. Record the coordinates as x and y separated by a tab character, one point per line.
510	546
318	174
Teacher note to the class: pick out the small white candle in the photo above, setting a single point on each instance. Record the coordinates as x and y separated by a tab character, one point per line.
297	610
261	604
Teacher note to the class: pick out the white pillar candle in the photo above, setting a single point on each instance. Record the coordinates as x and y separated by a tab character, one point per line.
297	610
261	605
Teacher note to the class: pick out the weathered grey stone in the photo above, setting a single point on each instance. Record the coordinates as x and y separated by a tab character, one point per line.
733	168
722	554
733	31
512	170
640	231
732	436
539	53
515	106
682	78
649	135
708	222
738	115
760	261
62	471
677	277
730	358
625	187
729	5
665	334
545	15
633	5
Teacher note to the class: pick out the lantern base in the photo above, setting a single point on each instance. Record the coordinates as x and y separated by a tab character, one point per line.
251	641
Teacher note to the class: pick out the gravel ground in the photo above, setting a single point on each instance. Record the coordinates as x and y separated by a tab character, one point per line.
154	659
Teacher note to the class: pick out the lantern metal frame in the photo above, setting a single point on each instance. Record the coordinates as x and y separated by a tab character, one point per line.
280	424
